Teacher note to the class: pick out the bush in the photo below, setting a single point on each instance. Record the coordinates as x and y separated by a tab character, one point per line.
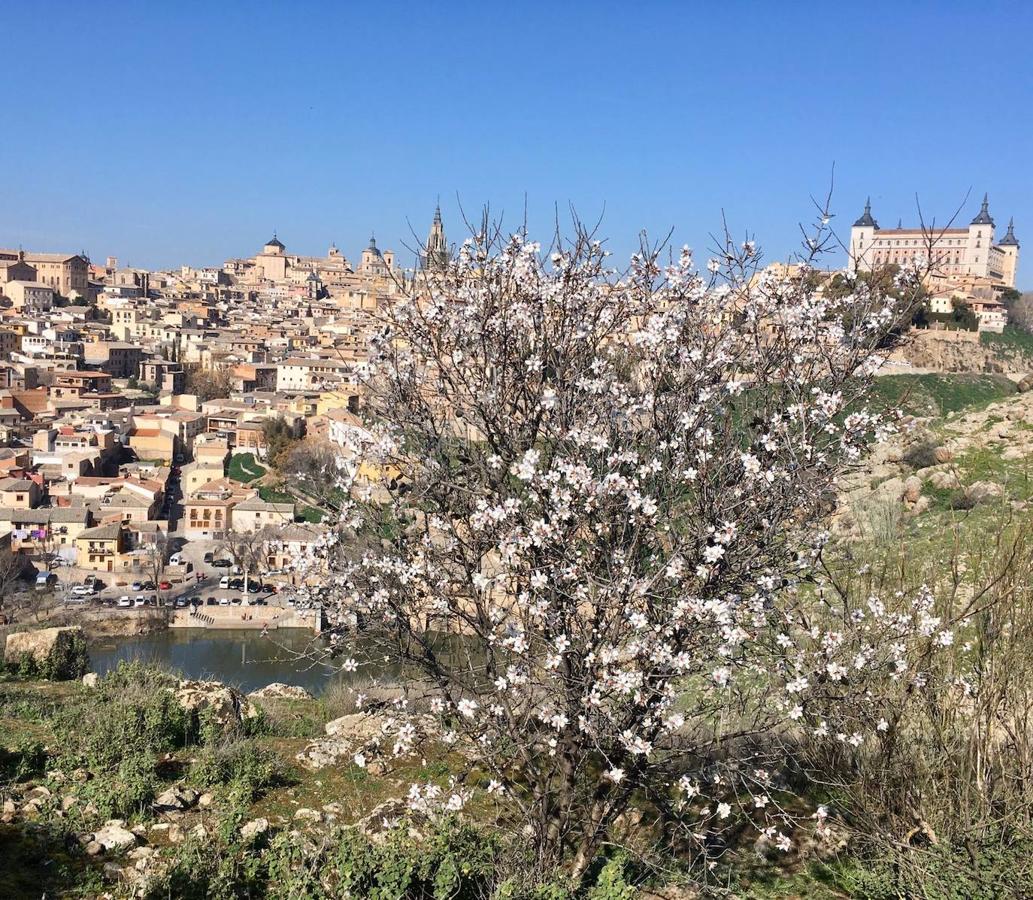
240	765
28	759
127	789
67	660
454	862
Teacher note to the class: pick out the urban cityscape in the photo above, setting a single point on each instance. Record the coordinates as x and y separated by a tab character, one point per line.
516	453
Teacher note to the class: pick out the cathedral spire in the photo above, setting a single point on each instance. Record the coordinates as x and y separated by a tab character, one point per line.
435	254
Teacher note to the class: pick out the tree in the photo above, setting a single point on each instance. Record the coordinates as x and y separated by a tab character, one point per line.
12	569
207	384
611	483
279	441
247	549
315	468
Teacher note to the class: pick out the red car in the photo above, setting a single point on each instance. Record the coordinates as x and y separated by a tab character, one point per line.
164	585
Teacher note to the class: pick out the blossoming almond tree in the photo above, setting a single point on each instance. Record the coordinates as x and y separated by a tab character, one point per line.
588	492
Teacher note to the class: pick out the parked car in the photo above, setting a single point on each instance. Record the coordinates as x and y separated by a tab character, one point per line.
124	601
211	601
224	582
180	602
82	590
76	598
91	580
221	563
175	559
224	601
235	601
148	585
209	557
164	585
136	586
45	581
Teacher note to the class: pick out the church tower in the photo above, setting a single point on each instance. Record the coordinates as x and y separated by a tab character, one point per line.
435	255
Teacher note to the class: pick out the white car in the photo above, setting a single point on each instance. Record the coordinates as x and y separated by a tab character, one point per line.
224	601
124	601
224	582
175	559
82	590
140	600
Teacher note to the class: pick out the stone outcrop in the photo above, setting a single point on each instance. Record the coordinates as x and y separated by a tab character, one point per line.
114	836
280	691
226	704
41	645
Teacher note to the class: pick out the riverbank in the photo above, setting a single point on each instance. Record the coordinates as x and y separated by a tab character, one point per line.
259	618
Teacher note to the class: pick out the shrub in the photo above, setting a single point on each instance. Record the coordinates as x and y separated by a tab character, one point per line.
127	789
67	660
240	765
26	760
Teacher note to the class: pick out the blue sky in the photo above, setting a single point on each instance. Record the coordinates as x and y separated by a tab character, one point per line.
186	132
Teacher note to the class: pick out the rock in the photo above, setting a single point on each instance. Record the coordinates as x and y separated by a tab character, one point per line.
61	649
175	835
304	814
141	853
205	800
357	727
10	806
983	491
175	798
943	479
67	802
942	455
912	489
325	752
115	836
38	793
1025	384
94	848
90	679
250	830
227	704
280	691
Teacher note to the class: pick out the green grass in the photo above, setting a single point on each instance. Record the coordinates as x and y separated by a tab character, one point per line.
1012	339
311	514
272	495
939	395
244	468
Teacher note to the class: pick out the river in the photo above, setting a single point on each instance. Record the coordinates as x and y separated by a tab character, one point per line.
245	659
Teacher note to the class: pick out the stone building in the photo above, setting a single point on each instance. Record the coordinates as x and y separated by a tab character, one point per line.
956	255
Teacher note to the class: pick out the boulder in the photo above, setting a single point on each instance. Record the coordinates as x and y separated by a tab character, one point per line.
325	752
251	830
227	704
90	679
912	489
359	728
55	652
280	691
115	836
304	814
983	492
175	798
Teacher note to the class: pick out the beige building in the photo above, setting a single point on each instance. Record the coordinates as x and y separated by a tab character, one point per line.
66	273
955	255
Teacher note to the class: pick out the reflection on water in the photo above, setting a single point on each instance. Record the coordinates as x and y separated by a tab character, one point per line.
242	658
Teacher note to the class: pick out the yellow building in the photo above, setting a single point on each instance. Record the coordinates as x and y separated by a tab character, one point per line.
103	549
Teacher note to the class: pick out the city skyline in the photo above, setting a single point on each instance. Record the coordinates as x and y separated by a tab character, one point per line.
330	127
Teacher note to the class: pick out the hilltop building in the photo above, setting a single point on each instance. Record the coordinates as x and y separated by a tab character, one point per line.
961	256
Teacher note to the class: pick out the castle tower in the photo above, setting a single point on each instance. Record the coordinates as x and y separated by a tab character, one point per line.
980	241
862	235
1009	247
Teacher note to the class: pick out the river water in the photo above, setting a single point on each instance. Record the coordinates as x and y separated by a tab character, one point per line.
245	659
